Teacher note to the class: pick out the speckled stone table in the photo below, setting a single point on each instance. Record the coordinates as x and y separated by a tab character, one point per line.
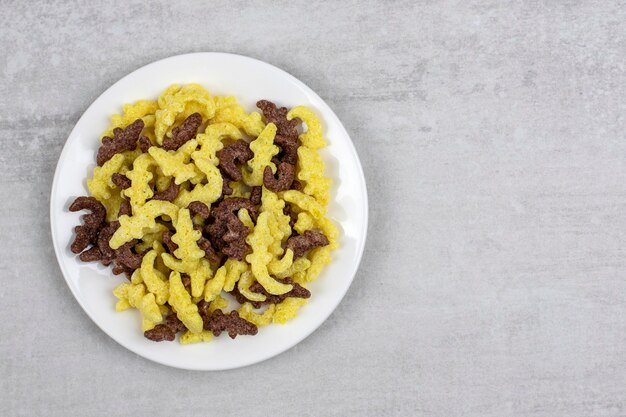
492	135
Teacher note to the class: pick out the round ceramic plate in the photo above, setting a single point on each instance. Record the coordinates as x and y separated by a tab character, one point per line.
249	80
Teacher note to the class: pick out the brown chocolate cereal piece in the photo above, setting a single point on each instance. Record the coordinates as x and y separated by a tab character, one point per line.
90	255
125	208
308	240
236	153
122	269
255	195
168	194
278	116
286	173
230	323
199	208
293	217
296	185
124	255
166	330
87	233
226	188
108	254
144	144
227	233
186	279
210	253
181	134
123	140
167	241
286	130
120	180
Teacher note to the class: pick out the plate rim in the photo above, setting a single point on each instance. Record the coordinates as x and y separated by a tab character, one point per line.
360	244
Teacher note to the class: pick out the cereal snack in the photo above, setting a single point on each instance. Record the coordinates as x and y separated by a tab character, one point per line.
216	216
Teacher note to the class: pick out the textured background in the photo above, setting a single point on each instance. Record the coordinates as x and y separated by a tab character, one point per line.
492	137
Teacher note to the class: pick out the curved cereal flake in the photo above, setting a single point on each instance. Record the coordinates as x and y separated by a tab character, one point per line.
311	172
304	222
140	176
313	137
142	109
288	309
199	271
153	278
251	123
112	205
245	218
142	221
219	303
188	337
330	231
180	300
246	280
186	237
100	185
234	269
206	193
174	101
213	287
172	163
305	202
319	257
259	319
299	266
259	240
264	150
279	266
135	295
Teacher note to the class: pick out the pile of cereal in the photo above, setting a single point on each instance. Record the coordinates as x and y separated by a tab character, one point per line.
193	199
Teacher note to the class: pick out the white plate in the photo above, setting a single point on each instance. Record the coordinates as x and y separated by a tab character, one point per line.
249	80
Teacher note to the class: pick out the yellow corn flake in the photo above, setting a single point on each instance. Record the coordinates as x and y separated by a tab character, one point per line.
245	218
239	189
234	269
264	150
304	222
213	287
142	221
222	102
135	295
147	325
312	174
153	278
100	185
136	277
140	176
172	163
305	202
149	239
211	141
330	231
259	240
246	280
251	123
288	309
112	205
122	305
320	257
180	300
186	237
259	319
199	271
142	109
206	193
312	138
298	267
278	221
162	181
173	102
219	303
188	337
278	266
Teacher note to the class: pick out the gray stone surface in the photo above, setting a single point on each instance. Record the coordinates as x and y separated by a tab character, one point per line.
492	137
